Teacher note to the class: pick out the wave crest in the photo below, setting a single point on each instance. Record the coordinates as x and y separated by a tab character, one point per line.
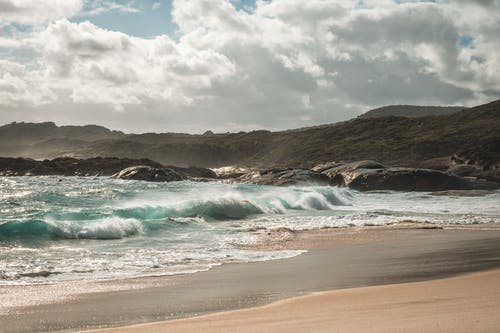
234	206
108	228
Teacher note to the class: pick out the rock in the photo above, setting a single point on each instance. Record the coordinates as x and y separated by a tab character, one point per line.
438	163
97	166
483	164
407	179
147	173
16	166
284	177
194	172
67	166
231	172
343	173
373	176
325	166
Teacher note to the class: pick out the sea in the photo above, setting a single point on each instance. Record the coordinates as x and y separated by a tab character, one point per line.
55	229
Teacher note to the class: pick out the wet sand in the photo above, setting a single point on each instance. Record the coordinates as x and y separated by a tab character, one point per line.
465	304
337	259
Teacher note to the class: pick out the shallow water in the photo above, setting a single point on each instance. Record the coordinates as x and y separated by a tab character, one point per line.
58	229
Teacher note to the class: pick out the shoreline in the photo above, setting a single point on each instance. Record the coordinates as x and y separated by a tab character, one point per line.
439	305
337	259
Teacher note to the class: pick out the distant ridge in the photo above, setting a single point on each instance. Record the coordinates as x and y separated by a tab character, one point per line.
33	132
391	140
411	111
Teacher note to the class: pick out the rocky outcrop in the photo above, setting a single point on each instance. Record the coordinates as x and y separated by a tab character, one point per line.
147	173
67	166
407	179
343	174
231	172
371	176
194	172
483	162
361	175
284	177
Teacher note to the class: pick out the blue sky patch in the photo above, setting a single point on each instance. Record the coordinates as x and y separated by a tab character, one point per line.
467	42
153	18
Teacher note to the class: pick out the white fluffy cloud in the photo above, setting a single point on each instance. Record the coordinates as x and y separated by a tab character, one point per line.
36	11
97	7
22	88
287	63
94	65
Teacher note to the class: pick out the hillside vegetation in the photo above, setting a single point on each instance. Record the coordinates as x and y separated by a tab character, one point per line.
411	111
391	140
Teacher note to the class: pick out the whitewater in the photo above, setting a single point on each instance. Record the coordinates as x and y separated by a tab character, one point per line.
56	229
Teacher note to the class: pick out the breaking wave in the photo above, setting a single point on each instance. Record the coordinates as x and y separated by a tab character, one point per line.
141	217
109	228
61	229
232	206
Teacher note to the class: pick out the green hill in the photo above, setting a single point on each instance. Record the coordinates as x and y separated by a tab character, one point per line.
411	111
391	140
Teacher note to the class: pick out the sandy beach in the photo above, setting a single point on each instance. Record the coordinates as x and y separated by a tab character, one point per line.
467	303
328	288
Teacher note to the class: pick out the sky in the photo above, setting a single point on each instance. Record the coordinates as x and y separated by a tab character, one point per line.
240	65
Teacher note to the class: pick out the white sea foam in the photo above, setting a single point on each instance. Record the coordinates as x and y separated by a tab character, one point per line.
107	228
86	228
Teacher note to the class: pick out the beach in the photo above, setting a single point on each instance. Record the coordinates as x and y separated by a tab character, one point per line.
467	303
335	273
232	166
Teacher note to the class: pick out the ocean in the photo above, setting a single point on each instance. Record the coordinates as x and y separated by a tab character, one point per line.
55	229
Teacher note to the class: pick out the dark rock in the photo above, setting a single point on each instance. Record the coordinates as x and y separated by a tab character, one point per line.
147	173
407	179
438	163
325	166
98	166
283	177
194	172
68	166
232	172
373	176
483	162
342	174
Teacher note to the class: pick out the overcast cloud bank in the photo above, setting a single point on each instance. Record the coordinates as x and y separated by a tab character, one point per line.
280	64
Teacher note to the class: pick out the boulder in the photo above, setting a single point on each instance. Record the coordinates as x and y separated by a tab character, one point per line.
231	172
195	172
343	173
373	176
483	162
67	166
284	177
408	179
97	166
147	173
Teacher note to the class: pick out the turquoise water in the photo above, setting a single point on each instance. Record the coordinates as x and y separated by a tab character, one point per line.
58	229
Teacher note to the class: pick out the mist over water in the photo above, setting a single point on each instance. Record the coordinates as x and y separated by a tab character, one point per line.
57	229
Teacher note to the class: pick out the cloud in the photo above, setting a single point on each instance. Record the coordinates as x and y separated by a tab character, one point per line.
20	87
96	65
284	64
156	6
32	12
98	7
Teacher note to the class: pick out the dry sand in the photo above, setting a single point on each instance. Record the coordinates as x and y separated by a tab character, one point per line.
469	303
